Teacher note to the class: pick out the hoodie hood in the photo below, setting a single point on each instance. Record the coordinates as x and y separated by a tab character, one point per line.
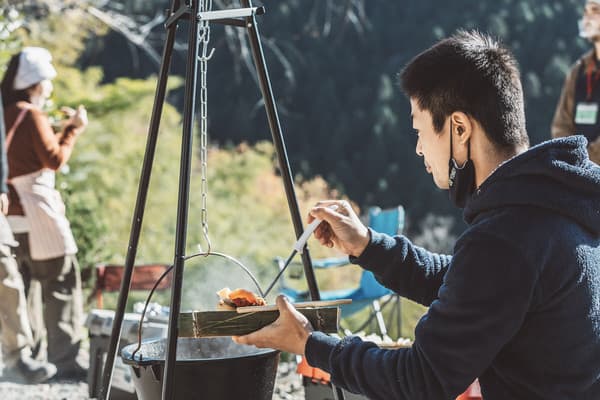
556	175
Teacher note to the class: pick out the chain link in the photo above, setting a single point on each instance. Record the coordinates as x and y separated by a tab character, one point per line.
203	40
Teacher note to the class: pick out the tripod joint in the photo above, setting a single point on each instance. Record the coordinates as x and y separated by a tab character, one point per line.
232	16
231	13
183	12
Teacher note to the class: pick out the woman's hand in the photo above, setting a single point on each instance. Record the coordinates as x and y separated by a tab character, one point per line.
4	203
77	118
288	333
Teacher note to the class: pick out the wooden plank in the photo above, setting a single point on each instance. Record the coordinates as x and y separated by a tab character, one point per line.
301	304
230	323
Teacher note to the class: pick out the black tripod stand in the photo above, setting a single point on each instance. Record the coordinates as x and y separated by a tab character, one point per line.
242	18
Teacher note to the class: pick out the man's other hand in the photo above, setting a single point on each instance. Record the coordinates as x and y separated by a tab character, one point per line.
288	333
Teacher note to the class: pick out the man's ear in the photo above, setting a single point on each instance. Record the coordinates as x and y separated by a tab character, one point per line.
463	126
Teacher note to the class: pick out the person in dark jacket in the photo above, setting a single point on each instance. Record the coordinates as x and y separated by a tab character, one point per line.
517	305
578	107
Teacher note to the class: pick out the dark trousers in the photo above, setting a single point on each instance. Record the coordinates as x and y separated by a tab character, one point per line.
60	306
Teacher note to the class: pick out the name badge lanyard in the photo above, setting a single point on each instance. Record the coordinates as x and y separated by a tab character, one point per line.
591	80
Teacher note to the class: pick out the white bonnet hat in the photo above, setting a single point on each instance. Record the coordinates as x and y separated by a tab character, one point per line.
34	66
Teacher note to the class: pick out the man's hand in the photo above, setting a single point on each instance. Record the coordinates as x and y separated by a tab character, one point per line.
4	203
288	333
340	228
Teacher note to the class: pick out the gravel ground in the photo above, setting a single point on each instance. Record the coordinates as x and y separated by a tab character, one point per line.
288	386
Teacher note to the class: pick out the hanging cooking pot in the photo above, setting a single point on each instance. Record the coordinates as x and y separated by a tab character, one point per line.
211	368
206	368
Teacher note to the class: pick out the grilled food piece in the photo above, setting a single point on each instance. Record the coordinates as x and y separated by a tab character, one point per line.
232	299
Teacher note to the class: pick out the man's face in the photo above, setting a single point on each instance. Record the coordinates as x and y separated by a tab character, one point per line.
591	20
432	146
592	9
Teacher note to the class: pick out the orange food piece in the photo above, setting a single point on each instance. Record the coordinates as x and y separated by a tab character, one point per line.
244	298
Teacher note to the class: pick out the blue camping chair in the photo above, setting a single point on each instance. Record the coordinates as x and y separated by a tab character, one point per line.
369	292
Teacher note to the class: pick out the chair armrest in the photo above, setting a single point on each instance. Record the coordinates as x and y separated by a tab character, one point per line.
323	263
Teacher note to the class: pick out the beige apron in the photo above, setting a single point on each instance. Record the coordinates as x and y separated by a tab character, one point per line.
50	233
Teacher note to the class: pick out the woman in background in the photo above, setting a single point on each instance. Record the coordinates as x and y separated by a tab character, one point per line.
46	252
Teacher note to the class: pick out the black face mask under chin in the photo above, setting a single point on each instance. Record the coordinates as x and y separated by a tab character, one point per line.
461	180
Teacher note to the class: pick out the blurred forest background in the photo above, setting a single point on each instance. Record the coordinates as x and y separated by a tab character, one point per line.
333	67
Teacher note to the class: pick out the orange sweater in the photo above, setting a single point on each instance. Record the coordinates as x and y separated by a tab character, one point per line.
34	146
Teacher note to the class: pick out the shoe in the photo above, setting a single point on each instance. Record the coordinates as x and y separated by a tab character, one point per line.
73	372
28	370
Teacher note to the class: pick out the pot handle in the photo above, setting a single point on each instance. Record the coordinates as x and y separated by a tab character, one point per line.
205	254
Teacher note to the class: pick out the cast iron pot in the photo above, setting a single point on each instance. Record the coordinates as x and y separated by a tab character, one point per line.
206	368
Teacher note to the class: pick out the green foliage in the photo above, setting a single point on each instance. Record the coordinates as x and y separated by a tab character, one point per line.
60	26
10	20
101	183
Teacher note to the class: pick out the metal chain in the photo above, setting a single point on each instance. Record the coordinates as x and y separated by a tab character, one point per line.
203	40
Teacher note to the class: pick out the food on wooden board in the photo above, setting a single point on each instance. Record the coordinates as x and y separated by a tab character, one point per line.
232	299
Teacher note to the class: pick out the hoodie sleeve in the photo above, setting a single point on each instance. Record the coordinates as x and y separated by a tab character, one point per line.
482	303
410	271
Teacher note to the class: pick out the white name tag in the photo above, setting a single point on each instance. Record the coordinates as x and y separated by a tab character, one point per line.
586	113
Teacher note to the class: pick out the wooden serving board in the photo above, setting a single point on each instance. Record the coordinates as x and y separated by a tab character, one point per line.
301	304
232	323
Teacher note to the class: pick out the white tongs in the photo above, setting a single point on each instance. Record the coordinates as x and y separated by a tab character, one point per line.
298	247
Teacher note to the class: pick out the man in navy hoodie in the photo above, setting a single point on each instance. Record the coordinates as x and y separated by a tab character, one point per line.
518	303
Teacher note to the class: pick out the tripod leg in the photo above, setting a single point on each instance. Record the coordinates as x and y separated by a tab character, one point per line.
140	205
276	133
183	201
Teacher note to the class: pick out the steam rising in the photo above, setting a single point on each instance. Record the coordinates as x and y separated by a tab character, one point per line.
204	276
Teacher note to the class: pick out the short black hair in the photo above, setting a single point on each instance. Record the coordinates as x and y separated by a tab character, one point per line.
472	73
